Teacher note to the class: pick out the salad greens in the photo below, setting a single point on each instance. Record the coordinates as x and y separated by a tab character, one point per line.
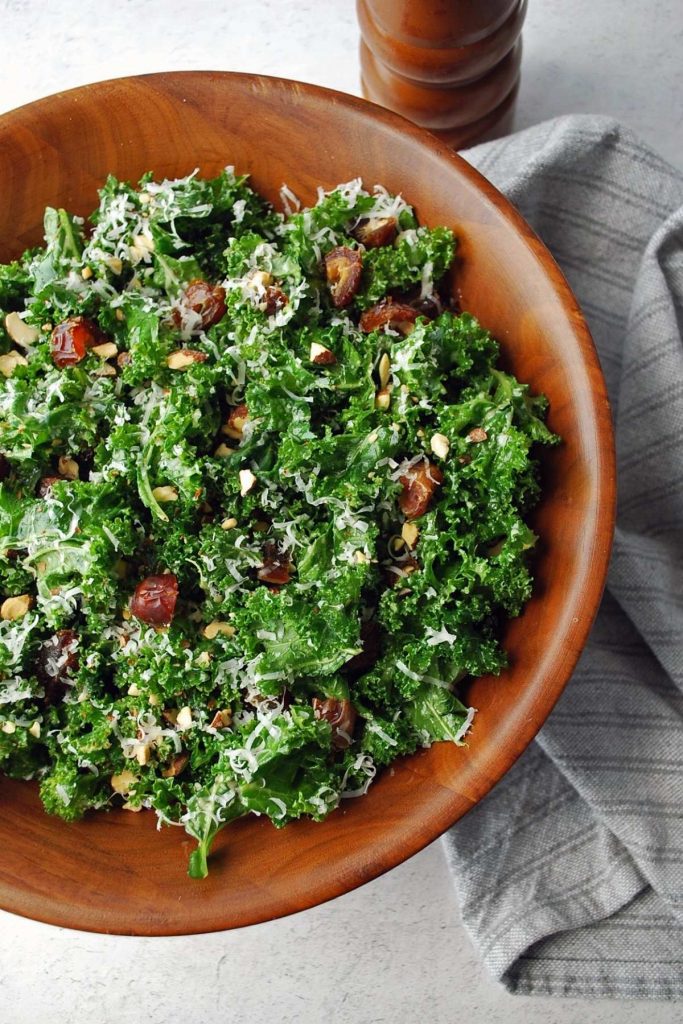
262	502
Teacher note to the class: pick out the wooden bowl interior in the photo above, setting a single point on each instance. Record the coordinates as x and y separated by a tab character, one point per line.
115	872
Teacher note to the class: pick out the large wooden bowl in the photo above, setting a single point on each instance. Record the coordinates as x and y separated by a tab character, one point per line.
114	872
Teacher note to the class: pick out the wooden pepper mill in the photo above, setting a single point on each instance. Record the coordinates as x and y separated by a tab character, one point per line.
449	65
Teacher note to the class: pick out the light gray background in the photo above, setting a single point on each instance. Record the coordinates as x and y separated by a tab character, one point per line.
394	950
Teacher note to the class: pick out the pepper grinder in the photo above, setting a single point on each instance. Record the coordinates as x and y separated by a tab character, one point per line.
449	65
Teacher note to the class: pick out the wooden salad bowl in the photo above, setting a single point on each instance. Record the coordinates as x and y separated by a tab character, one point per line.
114	872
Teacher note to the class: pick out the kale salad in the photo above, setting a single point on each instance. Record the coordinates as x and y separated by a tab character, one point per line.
262	502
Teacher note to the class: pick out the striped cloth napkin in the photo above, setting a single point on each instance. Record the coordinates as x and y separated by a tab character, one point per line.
570	873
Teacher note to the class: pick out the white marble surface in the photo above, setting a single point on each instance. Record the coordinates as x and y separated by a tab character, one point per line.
394	950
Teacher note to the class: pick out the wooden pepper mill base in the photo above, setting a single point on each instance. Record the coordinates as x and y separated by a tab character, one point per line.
449	65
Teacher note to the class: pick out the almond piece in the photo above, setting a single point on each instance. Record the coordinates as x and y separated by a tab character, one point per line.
440	445
410	532
184	357
477	435
223	451
165	493
222	719
184	719
10	361
247	481
321	356
13	608
383	399
384	370
214	628
229	524
20	332
122	782
67	467
105	351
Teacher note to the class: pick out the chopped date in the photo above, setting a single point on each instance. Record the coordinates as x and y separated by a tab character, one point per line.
274	299
343	268
71	339
376	231
341	715
387	313
177	765
419	484
57	658
155	599
276	569
207	300
45	485
371	638
5	468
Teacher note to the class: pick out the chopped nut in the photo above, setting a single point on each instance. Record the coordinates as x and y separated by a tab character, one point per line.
15	607
122	782
396	543
134	690
67	467
440	445
142	753
106	370
86	273
116	266
222	719
34	730
247	481
214	628
203	659
9	727
321	356
477	435
229	524
384	370
184	719
237	419
410	532
165	493
176	766
21	332
184	357
223	451
259	279
361	557
105	351
10	361
153	700
120	315
383	399
128	806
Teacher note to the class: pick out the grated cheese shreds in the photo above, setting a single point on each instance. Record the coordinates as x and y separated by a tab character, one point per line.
237	578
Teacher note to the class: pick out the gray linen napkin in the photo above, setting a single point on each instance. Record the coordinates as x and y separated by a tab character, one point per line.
570	873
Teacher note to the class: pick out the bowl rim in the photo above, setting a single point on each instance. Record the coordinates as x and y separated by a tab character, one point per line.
603	468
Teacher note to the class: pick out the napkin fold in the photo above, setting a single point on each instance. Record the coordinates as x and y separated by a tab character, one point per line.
570	873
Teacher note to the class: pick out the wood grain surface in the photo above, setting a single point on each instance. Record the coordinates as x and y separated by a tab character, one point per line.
114	872
452	68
